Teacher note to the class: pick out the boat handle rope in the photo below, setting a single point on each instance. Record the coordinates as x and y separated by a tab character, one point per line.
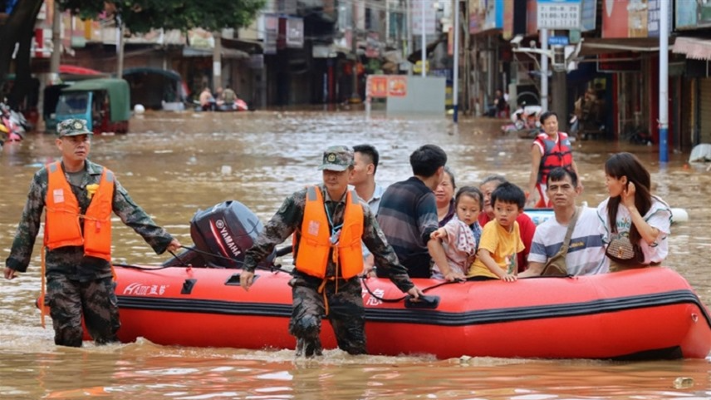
397	299
273	268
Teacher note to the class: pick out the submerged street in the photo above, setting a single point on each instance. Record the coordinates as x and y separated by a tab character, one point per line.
174	164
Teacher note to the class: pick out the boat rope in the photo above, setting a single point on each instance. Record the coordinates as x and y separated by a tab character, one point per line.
279	253
395	300
207	253
180	260
144	267
273	268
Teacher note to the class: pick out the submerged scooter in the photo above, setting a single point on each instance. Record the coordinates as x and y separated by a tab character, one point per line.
14	123
525	121
3	135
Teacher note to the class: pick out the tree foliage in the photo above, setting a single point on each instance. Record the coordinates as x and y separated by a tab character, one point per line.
140	16
16	34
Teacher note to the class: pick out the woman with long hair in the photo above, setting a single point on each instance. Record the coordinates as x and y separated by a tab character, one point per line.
632	212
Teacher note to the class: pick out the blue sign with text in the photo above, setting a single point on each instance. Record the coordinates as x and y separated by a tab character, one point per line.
558	41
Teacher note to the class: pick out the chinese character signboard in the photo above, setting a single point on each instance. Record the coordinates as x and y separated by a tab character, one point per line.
397	86
39	43
294	32
372	45
494	15
654	7
271	33
608	63
558	14
531	15
416	14
378	86
286	6
637	18
692	14
508	30
615	19
476	21
587	15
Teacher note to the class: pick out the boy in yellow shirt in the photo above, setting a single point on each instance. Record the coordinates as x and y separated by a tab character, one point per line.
500	239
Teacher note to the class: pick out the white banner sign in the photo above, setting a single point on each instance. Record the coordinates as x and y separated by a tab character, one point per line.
416	17
561	14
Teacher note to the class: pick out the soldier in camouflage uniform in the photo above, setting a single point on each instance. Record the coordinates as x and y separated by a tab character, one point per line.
337	298
79	285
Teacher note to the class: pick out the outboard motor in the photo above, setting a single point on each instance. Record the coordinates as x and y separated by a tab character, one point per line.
228	230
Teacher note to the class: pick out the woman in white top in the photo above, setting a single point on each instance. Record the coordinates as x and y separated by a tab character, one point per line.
634	211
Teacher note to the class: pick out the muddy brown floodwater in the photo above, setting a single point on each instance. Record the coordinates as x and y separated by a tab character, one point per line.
176	163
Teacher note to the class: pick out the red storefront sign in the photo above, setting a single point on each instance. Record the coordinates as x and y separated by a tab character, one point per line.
378	85
615	19
397	86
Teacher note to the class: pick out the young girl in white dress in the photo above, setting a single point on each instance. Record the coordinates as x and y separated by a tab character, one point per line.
460	236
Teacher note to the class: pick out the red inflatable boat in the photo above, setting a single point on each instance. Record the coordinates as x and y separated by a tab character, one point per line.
639	314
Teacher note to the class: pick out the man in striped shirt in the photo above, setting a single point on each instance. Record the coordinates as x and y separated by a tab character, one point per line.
586	251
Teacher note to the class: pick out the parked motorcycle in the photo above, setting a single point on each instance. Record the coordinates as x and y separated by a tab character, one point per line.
237	105
14	123
525	121
3	135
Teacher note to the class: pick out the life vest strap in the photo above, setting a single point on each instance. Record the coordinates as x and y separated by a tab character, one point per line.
322	291
43	295
80	215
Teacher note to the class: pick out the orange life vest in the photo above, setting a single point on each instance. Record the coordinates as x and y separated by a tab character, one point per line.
555	154
63	215
315	238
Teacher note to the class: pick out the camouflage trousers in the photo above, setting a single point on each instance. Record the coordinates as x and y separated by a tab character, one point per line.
345	312
95	301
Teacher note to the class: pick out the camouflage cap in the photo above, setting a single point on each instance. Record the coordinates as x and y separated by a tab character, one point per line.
337	158
73	127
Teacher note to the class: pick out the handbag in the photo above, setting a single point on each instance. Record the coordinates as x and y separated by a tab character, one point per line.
556	266
622	251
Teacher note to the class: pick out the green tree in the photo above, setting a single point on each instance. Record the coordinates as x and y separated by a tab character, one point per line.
138	16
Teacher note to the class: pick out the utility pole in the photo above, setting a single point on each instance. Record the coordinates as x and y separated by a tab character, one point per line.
54	61
423	53
409	33
455	77
217	61
355	97
544	70
467	64
477	78
663	81
56	56
119	47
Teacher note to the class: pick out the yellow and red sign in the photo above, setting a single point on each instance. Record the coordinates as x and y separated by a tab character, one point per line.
397	86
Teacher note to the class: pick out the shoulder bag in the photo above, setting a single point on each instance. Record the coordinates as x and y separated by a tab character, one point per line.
621	250
556	265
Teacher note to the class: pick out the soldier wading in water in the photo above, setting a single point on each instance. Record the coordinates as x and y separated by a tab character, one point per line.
329	222
78	197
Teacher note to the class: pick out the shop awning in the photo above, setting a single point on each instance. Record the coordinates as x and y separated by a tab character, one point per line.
331	51
233	54
246	45
697	49
595	46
